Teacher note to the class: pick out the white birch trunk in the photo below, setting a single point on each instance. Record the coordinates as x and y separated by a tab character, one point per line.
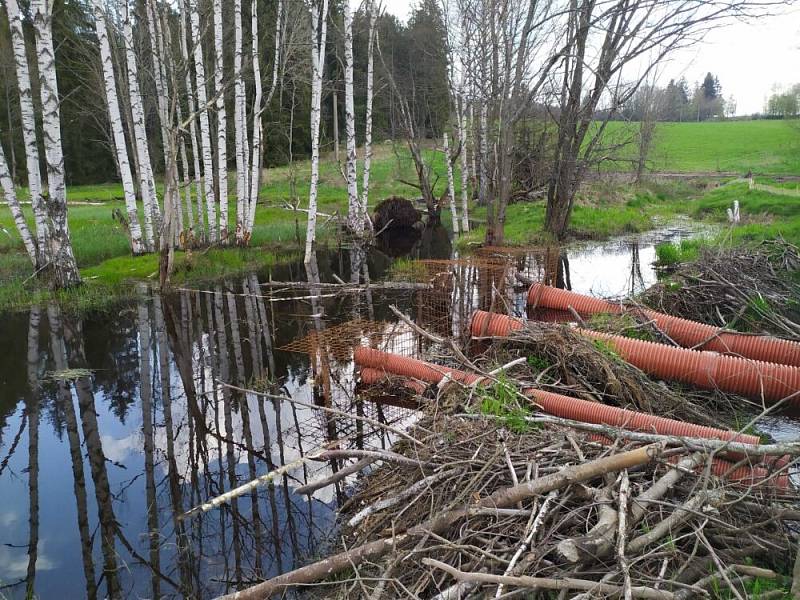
10	194
114	115
373	17
205	133
462	136
256	152
240	124
222	124
473	172
484	181
451	189
147	183
159	74
29	132
319	30
190	93
354	221
187	183
64	269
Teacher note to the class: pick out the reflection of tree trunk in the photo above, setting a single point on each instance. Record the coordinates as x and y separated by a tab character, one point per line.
79	482
265	325
33	449
636	269
248	434
146	395
224	375
97	465
184	552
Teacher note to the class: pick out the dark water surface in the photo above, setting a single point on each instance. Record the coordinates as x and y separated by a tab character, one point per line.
112	426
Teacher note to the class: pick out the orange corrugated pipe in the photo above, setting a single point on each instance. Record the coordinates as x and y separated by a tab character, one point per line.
689	334
408	367
703	369
554	404
585	411
370	376
377	364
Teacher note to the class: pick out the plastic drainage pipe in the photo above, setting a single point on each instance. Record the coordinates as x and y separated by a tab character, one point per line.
409	367
689	334
703	369
376	365
371	376
554	404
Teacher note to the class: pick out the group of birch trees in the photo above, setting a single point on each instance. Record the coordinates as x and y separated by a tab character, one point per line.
164	47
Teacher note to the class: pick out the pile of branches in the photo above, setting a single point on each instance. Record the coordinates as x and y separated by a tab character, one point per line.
744	288
476	512
564	361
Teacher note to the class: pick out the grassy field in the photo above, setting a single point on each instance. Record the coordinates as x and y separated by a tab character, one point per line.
766	147
603	209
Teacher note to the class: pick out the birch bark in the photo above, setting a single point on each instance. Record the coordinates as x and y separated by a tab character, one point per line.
462	136
159	74
115	116
240	123
451	190
354	221
319	23
373	17
205	133
29	132
10	194
147	183
64	269
256	153
192	101
222	124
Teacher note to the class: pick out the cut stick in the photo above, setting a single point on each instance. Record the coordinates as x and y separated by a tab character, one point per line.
567	583
503	498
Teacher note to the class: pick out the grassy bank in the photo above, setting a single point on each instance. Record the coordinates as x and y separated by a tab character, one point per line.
771	147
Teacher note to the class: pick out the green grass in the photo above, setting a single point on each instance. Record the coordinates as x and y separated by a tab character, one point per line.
725	146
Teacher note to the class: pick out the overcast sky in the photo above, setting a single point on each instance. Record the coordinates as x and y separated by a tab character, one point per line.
749	58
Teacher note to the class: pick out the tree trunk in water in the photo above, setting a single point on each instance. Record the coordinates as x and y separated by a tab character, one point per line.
205	130
451	189
222	124
147	183
41	258
63	271
319	28
115	116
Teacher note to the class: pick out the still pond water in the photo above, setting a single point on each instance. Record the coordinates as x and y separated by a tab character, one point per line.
113	425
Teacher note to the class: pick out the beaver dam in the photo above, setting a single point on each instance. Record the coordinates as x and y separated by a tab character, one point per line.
427	427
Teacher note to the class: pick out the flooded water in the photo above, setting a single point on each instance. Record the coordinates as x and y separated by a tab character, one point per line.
112	426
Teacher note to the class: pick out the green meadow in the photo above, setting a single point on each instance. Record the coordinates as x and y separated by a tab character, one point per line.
605	207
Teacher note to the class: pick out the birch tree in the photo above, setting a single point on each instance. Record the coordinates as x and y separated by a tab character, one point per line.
63	269
451	191
192	102
10	194
319	30
355	222
222	123
259	105
40	255
147	182
115	117
461	102
240	122
373	18
205	130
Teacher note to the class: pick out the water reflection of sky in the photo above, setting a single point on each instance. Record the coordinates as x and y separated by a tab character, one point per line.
292	525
